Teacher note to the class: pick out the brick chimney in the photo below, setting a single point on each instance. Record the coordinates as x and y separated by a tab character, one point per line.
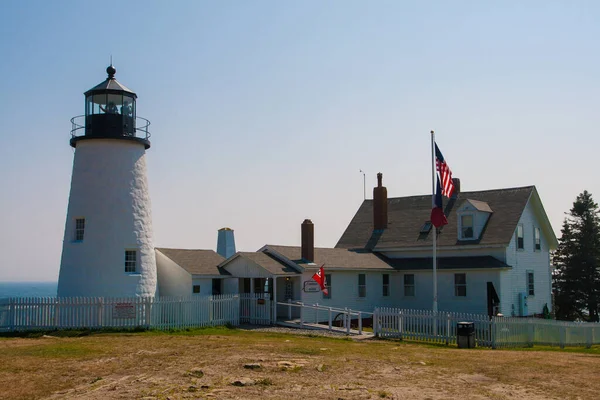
456	192
380	203
308	241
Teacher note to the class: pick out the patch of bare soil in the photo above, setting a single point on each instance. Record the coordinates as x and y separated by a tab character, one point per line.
255	365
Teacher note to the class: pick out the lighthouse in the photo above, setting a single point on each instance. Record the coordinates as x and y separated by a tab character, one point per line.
108	246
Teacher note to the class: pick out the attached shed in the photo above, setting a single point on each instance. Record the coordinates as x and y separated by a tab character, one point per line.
186	272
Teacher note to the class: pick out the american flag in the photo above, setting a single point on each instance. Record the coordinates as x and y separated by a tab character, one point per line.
445	173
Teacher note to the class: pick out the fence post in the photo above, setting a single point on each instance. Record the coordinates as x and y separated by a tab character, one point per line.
400	324
345	318
149	302
375	320
563	336
290	309
447	329
317	314
530	332
329	318
301	314
11	314
493	332
100	320
359	324
435	325
349	320
589	333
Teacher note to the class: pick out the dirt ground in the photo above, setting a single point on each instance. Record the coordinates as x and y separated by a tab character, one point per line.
216	364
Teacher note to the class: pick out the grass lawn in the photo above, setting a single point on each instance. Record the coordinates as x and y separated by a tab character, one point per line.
210	364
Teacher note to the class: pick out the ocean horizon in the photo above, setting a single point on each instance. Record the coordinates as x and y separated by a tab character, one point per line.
28	289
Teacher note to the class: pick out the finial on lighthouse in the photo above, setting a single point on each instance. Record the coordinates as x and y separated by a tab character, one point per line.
111	71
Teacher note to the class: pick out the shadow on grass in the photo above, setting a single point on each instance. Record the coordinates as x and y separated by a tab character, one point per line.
119	331
595	350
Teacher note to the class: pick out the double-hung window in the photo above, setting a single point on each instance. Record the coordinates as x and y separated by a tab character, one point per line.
79	229
386	285
520	237
460	285
328	286
130	261
537	244
466	226
362	285
409	285
530	285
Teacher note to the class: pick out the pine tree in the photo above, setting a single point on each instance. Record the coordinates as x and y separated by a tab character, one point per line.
577	262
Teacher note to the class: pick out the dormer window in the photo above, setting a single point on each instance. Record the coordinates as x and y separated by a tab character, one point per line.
473	216
466	226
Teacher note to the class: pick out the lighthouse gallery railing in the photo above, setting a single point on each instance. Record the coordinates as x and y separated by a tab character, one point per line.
141	127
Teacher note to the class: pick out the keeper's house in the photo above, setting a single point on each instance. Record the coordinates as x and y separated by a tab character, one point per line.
493	257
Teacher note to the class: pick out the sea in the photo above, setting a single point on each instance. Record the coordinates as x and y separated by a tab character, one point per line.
28	289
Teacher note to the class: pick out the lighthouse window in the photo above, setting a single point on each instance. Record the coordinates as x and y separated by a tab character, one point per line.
99	104
114	103
79	229
130	260
89	105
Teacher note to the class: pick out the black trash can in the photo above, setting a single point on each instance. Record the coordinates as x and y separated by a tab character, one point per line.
465	335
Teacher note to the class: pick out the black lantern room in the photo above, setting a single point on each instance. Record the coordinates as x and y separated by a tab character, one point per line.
110	113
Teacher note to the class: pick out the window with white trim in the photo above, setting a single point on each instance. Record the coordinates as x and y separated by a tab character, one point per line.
520	237
328	286
530	283
537	242
466	226
386	285
460	285
362	285
409	285
130	260
79	229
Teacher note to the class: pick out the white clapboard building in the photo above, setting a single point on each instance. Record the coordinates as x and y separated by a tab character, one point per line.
493	257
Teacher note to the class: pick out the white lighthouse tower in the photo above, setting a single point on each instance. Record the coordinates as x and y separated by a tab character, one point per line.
108	247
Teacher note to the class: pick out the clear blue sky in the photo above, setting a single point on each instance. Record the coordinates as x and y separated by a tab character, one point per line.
263	112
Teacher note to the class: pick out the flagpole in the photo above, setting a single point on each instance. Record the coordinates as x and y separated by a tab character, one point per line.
433	181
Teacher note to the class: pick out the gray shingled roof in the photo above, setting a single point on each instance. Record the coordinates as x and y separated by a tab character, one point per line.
407	264
480	205
406	215
196	262
269	263
333	258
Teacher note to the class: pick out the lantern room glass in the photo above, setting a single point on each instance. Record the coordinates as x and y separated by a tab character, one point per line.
108	103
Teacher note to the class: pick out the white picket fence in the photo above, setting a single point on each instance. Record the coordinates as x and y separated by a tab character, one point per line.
21	314
495	332
255	309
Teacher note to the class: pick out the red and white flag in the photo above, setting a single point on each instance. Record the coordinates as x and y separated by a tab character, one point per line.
319	277
445	173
